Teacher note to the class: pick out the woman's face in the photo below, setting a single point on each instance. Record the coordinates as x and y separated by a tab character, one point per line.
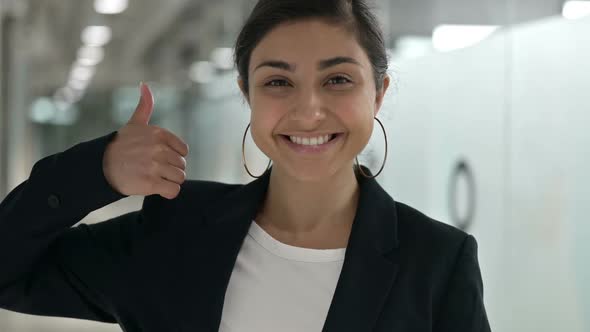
308	79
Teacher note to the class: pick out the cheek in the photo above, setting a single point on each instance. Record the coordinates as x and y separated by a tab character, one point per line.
264	118
266	110
357	116
356	111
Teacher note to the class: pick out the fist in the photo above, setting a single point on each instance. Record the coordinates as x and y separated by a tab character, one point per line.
143	159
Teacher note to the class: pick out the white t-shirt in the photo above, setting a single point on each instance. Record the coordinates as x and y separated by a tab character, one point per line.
278	287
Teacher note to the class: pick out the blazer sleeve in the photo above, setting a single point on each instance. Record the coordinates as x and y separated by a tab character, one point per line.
463	305
48	267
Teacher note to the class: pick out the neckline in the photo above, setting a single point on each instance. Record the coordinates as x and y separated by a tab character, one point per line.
294	253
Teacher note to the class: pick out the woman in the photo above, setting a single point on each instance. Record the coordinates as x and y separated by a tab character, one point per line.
312	244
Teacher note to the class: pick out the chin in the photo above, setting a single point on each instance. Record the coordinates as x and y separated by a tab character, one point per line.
312	173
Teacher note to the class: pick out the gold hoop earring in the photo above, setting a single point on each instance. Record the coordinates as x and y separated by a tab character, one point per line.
384	159
244	156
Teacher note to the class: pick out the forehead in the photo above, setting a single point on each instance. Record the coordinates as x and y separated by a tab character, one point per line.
306	41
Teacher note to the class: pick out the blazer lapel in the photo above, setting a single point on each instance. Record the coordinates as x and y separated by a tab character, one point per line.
367	273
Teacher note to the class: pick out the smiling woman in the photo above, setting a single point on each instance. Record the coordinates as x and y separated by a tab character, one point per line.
314	90
314	74
313	244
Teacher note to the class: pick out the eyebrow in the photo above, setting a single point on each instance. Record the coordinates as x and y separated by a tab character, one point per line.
323	64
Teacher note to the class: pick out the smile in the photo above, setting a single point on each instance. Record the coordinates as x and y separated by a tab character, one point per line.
312	144
319	140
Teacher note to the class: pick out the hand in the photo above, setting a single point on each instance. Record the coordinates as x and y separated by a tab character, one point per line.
144	159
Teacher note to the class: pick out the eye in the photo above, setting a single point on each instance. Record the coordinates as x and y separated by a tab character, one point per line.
277	83
338	80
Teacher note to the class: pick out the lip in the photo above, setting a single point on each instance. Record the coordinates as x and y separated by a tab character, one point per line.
313	149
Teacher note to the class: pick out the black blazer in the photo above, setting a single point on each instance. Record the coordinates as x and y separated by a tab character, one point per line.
166	267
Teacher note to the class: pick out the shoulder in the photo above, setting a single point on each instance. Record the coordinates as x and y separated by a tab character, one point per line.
417	225
440	261
430	241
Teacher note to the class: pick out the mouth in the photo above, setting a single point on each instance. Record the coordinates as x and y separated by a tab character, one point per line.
316	147
332	137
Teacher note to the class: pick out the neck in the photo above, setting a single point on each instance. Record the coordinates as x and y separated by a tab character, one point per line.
297	207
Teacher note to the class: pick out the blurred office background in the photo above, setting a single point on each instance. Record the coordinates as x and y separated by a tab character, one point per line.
487	122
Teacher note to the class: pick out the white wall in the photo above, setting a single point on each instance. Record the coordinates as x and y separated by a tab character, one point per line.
515	107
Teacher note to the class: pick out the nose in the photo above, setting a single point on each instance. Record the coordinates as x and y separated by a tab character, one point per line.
309	107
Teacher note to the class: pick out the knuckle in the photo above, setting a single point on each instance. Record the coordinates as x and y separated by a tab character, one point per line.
157	149
161	148
184	149
180	162
176	177
159	132
162	135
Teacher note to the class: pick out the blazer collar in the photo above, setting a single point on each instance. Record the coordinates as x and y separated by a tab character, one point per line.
370	264
375	208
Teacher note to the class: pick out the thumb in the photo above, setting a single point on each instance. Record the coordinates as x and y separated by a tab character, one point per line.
145	107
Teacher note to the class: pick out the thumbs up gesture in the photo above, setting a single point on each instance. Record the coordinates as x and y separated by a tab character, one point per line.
144	159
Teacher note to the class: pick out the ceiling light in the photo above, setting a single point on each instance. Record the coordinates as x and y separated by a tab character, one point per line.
67	95
42	110
65	113
222	58
110	6
81	73
96	35
573	10
78	85
410	47
90	55
451	37
201	72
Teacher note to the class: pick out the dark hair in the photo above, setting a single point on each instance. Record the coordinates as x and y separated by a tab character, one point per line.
352	14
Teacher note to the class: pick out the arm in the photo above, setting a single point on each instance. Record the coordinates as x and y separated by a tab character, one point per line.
48	267
462	305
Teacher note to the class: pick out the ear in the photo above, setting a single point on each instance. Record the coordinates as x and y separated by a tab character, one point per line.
381	94
242	86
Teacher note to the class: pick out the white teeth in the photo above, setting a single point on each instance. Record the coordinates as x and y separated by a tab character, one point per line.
311	141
